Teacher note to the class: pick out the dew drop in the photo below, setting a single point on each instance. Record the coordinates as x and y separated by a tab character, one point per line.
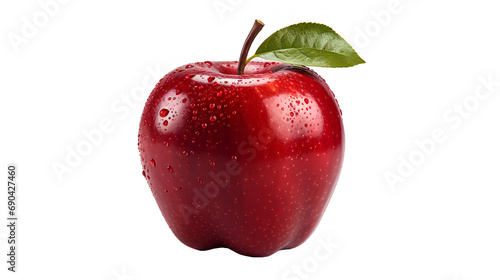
185	153
163	113
200	181
167	143
204	126
213	118
210	79
212	163
144	173
165	123
187	77
208	63
153	162
170	169
267	64
195	112
306	101
219	94
234	158
184	100
189	66
233	112
211	106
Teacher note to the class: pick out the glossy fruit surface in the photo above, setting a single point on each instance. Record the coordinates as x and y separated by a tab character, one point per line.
248	162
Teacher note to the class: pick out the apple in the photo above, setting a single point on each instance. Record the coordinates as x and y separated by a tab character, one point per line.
244	161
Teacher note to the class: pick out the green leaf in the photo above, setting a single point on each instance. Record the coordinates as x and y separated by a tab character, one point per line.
309	44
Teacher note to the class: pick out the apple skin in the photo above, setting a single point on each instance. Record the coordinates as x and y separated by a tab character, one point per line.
248	162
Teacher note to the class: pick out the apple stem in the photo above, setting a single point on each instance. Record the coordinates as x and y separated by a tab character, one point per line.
256	28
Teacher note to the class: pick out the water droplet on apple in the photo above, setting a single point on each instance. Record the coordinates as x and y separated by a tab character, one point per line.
163	113
211	106
204	126
195	112
219	94
184	100
306	100
267	64
212	163
165	123
200	181
213	118
187	77
210	79
167	143
208	63
218	107
170	169
144	173
153	162
185	153
234	158
189	66
233	112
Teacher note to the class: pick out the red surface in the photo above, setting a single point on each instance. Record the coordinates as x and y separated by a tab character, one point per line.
248	162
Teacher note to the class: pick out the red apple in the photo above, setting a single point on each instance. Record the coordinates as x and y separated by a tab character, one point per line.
248	162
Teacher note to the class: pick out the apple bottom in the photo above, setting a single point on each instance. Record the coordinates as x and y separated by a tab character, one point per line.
238	209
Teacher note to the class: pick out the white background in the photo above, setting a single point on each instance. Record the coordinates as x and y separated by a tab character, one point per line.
101	222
